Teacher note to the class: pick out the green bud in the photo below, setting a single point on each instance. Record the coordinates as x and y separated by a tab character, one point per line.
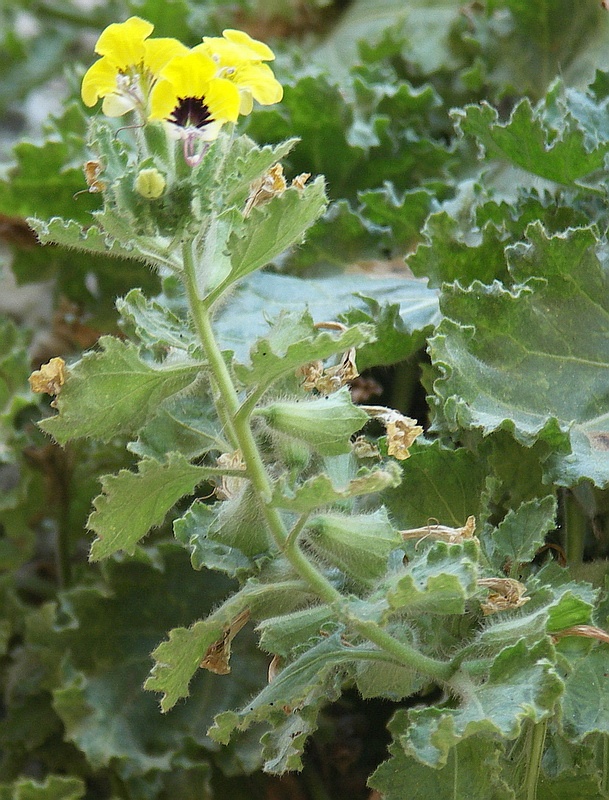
239	523
359	545
295	454
326	424
150	183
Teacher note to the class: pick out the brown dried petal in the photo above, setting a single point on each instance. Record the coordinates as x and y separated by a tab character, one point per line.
401	430
327	381
49	378
93	170
217	657
299	181
587	631
443	533
229	485
505	593
271	184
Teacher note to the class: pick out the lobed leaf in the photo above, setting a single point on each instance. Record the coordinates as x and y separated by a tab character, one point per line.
522	532
526	141
507	355
293	340
134	502
473	771
273	227
320	491
522	685
438	583
113	391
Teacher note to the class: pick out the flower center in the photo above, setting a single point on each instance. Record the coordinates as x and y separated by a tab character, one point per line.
191	112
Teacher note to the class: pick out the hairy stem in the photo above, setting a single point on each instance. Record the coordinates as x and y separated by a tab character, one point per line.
238	429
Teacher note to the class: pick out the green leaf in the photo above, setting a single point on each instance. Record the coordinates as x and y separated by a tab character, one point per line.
320	491
443	485
134	502
179	658
283	634
44	180
520	535
473	770
506	356
398	335
439	583
425	25
382	134
585	707
566	159
318	668
293	340
230	533
153	324
184	423
54	787
451	255
522	685
112	392
71	234
266	295
104	635
404	216
273	227
192	530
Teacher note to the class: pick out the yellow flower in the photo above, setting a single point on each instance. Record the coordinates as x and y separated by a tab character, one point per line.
193	100
129	65
189	95
239	59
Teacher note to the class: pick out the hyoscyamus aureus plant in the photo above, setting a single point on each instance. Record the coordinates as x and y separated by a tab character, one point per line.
277	478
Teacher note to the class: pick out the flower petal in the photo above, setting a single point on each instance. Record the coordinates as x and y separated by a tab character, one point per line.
158	53
193	76
115	105
190	74
259	50
223	100
258	79
98	81
123	42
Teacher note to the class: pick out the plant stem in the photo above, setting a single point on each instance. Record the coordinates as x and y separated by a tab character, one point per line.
238	428
536	744
605	766
575	528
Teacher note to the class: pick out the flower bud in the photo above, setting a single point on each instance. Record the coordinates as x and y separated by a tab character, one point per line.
326	424
150	183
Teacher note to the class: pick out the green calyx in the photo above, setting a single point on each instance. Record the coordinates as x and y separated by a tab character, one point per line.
326	423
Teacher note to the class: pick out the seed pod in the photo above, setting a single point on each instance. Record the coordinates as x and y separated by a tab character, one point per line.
326	423
359	544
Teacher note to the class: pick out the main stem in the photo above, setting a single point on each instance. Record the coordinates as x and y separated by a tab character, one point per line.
239	430
536	745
